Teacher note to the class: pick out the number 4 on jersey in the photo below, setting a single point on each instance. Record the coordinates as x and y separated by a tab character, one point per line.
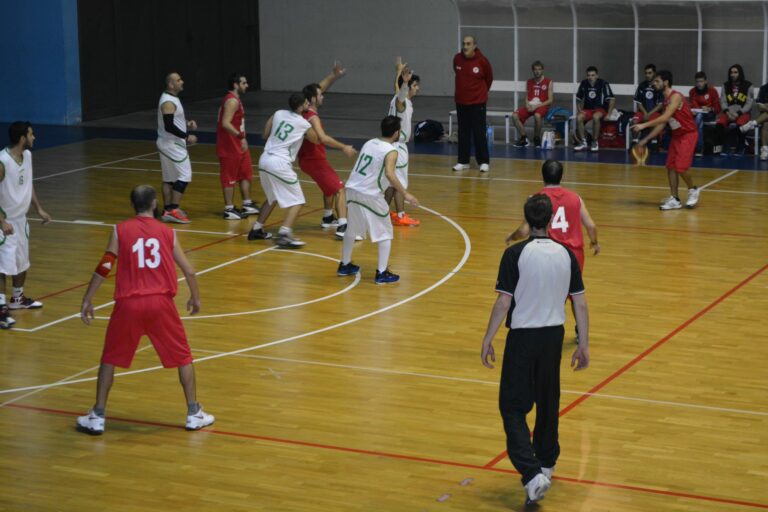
559	221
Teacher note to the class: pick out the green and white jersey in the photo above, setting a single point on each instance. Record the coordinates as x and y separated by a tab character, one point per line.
367	175
16	187
405	118
288	129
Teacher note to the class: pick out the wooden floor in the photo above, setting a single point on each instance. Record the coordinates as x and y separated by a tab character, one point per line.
333	394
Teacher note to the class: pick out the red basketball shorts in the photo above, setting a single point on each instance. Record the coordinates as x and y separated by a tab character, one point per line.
524	115
235	168
589	113
741	120
323	174
681	150
154	316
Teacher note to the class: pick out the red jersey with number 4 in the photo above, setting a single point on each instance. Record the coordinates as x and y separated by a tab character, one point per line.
226	143
308	150
682	120
145	264
540	90
565	226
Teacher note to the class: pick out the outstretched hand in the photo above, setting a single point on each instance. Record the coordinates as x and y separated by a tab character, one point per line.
338	69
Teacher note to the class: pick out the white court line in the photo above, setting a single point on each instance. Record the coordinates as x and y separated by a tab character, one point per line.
440	282
354	283
91	166
717	180
106	224
107	304
487	382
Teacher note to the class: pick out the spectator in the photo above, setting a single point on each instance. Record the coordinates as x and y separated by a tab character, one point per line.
594	101
705	105
540	96
762	103
736	103
474	77
647	99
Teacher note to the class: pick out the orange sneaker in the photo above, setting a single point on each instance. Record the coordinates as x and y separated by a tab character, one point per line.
177	215
405	220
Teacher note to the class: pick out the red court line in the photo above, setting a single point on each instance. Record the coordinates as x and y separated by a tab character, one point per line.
187	251
399	456
646	352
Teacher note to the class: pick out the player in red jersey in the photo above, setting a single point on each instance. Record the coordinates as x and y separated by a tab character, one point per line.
232	150
540	97
144	290
677	113
569	214
314	162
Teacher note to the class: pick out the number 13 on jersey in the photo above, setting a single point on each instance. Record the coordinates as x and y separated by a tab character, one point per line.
154	252
559	221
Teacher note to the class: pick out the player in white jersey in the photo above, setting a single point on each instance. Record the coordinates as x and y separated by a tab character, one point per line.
374	171
16	195
406	87
284	133
172	141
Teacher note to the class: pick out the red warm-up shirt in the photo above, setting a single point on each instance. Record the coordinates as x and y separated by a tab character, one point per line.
706	98
474	77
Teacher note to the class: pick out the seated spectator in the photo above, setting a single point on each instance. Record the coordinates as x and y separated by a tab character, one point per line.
705	105
762	118
594	101
648	100
539	97
736	103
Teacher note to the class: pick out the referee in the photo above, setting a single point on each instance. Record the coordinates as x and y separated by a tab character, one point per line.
535	277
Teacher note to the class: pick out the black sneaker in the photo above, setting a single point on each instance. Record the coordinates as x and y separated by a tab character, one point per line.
340	230
522	142
249	209
6	320
349	269
386	277
259	234
286	241
233	214
537	142
329	221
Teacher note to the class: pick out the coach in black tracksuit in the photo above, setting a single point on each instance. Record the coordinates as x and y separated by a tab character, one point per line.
535	278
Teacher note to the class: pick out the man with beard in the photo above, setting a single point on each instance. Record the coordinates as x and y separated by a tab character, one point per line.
232	150
539	97
736	103
16	195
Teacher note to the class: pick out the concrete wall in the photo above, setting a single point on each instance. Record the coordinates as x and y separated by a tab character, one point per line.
299	40
39	52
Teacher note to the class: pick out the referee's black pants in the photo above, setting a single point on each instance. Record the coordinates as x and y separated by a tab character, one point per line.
472	126
531	374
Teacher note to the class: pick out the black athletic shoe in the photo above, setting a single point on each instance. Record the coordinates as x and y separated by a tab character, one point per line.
349	269
6	320
329	221
386	277
259	234
249	209
340	230
537	142
522	142
233	214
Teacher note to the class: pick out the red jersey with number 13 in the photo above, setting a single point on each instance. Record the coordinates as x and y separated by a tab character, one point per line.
145	264
226	143
565	226
540	90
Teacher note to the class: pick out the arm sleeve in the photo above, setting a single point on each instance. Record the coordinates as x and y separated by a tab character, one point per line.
577	285
172	128
509	274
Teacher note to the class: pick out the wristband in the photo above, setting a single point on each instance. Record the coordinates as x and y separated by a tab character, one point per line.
105	265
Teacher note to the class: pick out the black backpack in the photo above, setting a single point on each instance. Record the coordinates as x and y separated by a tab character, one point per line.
428	131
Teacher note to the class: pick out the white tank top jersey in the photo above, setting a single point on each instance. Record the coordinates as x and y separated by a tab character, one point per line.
405	118
163	137
16	187
288	129
367	175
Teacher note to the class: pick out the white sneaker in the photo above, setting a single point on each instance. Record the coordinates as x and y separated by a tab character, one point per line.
92	423
580	147
670	203
199	420
548	472
595	148
485	167
537	488
748	126
764	153
693	197
460	167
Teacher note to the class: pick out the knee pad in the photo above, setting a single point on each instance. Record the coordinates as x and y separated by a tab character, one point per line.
180	186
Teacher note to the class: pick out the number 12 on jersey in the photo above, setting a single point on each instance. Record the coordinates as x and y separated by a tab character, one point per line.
154	252
559	221
363	162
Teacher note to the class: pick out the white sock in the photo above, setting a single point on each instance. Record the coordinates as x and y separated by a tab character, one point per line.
229	206
342	221
385	246
257	226
401	214
346	248
2	299
327	213
18	292
284	230
247	202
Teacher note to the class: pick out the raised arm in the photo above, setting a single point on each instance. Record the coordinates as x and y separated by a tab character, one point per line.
337	72
193	304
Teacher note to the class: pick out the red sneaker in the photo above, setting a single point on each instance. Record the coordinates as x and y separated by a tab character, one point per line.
405	220
177	215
